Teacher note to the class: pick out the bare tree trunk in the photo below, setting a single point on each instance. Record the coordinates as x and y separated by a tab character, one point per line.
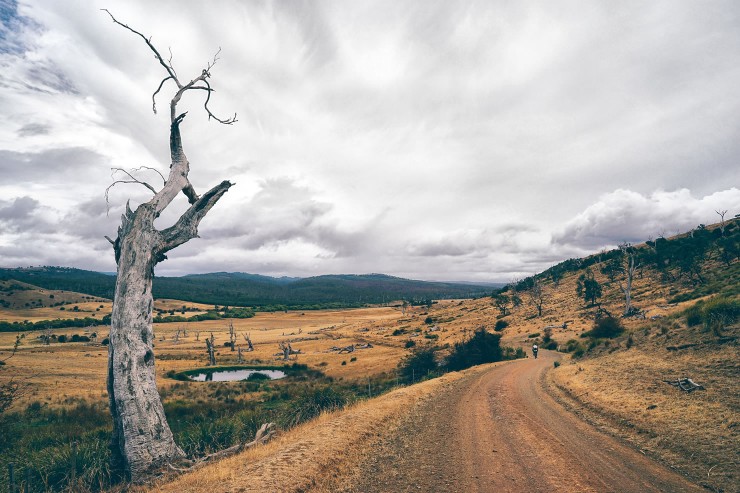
142	441
211	348
629	273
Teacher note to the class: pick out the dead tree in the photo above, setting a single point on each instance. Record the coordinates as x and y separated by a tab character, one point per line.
630	258
211	349
232	336
722	223
285	348
239	358
46	335
249	342
142	441
537	295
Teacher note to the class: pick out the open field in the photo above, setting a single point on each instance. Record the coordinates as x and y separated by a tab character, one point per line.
60	373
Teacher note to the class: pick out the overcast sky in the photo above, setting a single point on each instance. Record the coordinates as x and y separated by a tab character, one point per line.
435	140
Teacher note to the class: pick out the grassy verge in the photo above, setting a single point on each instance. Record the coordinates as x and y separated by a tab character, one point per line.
66	449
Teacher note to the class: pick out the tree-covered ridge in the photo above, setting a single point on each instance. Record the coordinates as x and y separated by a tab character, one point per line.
239	289
704	259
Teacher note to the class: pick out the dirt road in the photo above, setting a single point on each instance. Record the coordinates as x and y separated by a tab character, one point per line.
500	432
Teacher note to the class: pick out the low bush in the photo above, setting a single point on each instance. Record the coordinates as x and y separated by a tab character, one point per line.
500	325
254	377
605	328
575	347
693	314
483	347
714	314
418	364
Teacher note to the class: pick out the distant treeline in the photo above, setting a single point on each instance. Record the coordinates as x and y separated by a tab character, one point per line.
260	292
226	312
59	323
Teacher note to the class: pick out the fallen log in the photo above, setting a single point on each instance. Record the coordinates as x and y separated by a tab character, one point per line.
264	434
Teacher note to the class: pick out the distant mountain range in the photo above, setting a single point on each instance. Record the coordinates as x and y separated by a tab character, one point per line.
242	289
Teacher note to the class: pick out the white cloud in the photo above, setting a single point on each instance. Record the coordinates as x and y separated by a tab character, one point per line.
624	215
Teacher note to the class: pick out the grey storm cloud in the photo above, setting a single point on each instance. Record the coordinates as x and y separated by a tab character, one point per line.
31	129
49	165
20	208
25	215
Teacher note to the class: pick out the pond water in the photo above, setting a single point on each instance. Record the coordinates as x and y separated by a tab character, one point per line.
234	375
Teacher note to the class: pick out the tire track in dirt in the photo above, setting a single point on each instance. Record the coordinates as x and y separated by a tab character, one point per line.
498	431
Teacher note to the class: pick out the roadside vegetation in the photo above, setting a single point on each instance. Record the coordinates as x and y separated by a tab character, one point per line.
66	448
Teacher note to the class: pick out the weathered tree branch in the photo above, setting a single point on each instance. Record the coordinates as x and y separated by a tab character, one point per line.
154	101
186	227
148	42
171	74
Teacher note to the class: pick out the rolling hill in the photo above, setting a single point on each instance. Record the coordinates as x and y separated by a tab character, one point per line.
241	289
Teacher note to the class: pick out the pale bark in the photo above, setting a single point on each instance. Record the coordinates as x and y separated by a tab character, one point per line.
142	441
629	274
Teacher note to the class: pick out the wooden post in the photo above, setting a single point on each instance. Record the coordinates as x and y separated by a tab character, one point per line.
11	478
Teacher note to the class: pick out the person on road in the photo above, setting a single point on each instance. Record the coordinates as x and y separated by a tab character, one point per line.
534	350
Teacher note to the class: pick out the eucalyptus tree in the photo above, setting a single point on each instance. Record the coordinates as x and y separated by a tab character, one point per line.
142	441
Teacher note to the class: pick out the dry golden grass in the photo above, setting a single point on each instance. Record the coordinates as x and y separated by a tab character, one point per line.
697	432
60	373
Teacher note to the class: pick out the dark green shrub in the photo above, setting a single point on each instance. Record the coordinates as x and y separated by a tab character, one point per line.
693	314
719	313
429	320
254	377
409	344
605	328
483	347
418	364
547	340
511	353
500	325
575	348
62	338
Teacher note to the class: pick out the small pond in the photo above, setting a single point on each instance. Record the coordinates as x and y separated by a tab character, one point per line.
234	375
